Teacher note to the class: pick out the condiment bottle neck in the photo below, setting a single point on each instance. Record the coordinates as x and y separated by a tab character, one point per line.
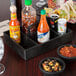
27	7
43	18
13	16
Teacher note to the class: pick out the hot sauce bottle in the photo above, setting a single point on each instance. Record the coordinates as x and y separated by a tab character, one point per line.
14	25
43	30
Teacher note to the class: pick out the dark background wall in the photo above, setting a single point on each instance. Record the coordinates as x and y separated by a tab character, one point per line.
4	9
5	5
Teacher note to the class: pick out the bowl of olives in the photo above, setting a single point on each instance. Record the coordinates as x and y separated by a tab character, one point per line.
52	66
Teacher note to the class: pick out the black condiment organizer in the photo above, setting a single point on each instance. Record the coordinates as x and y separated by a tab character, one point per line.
29	47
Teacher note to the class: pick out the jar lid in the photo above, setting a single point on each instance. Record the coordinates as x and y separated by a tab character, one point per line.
55	16
62	20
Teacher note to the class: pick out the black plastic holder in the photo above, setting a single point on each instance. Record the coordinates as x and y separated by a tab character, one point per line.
29	48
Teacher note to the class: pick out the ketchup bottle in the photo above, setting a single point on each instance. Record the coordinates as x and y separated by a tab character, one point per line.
43	30
14	25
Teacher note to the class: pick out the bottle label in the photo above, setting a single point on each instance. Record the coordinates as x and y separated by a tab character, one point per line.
15	33
62	28
13	16
43	37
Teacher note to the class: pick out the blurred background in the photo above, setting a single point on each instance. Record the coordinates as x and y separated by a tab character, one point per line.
5	5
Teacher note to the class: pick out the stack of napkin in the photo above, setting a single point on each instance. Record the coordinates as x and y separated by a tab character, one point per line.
4	26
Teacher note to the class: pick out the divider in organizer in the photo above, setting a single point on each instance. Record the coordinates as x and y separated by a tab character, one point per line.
29	47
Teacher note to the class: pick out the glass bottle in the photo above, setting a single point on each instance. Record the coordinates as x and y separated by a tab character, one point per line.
43	30
29	18
14	25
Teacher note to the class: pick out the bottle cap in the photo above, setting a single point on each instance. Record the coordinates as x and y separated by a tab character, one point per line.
62	20
28	2
13	8
43	12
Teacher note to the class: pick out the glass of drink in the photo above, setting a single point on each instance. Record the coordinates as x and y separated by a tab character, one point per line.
2	67
62	26
40	3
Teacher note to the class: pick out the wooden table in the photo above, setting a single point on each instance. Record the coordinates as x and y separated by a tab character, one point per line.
16	66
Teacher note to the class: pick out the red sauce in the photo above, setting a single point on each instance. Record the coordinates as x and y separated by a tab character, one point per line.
68	51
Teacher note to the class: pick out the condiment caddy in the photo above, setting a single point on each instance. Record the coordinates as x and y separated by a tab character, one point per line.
29	47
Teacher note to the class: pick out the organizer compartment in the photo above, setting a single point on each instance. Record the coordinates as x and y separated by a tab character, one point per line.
29	48
21	48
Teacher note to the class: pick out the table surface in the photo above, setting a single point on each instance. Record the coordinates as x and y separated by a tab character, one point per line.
16	66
